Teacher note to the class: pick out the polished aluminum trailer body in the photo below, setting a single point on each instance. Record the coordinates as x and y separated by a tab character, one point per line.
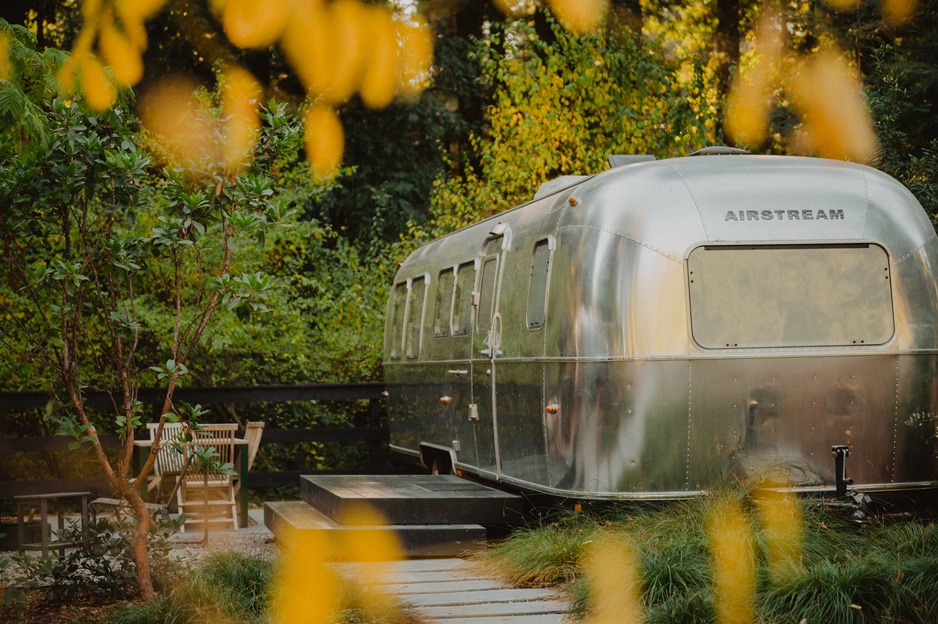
653	330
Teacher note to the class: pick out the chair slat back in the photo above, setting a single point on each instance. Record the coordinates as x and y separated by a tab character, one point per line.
221	437
252	435
171	457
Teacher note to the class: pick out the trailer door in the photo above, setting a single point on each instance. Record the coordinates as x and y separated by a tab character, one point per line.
487	349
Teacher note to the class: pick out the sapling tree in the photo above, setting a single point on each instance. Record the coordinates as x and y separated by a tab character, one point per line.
113	266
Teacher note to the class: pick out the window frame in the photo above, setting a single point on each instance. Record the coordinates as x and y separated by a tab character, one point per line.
550	244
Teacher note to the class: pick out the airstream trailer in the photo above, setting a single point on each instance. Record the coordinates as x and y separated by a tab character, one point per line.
655	329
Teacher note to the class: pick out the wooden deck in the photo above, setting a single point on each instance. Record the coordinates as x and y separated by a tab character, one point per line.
455	591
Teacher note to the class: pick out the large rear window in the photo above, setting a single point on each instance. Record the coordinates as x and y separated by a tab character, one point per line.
790	296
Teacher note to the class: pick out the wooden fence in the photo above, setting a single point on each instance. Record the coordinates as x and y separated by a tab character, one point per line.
373	428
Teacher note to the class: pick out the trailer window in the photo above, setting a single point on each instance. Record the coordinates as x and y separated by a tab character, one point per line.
537	289
465	278
398	299
444	304
790	296
418	291
487	294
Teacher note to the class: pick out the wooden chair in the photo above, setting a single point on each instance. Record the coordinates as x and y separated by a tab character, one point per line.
209	496
253	431
170	459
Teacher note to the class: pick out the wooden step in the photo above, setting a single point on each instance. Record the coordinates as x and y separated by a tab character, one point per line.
417	540
413	499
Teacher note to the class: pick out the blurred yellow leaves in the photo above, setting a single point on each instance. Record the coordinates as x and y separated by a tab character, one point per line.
117	26
782	528
184	128
240	104
306	589
579	16
337	47
100	94
898	12
750	100
254	24
734	563
325	140
613	569
835	121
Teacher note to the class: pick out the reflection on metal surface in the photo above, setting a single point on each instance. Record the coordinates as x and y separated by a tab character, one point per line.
703	322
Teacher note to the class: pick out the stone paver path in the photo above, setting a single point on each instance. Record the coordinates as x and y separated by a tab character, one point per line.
455	591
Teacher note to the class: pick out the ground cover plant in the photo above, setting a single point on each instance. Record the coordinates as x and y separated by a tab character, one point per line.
237	588
736	556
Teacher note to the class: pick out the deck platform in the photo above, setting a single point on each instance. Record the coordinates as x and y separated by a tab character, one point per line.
413	499
432	515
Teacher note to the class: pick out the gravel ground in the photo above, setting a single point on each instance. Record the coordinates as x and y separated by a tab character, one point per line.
254	539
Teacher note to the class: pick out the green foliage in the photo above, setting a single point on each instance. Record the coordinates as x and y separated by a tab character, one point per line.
902	89
228	587
884	570
225	587
562	106
101	565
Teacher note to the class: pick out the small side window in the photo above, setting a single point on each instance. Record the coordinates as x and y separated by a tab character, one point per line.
418	291
487	294
398	301
443	306
537	288
465	279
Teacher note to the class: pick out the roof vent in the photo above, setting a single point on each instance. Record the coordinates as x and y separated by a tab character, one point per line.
720	150
557	184
620	160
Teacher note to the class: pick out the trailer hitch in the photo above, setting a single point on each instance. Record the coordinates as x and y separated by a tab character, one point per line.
857	501
841	452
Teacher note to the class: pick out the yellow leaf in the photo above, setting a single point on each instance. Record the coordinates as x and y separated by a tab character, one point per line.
379	83
782	527
255	23
347	20
417	55
325	141
734	570
240	106
750	99
898	12
100	94
836	120
844	5
579	16
67	75
138	10
171	112
305	592
120	54
374	549
307	42
613	567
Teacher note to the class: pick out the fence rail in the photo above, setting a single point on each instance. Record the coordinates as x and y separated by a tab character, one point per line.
375	431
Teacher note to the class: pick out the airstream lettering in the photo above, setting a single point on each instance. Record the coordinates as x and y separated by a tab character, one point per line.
642	333
770	215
